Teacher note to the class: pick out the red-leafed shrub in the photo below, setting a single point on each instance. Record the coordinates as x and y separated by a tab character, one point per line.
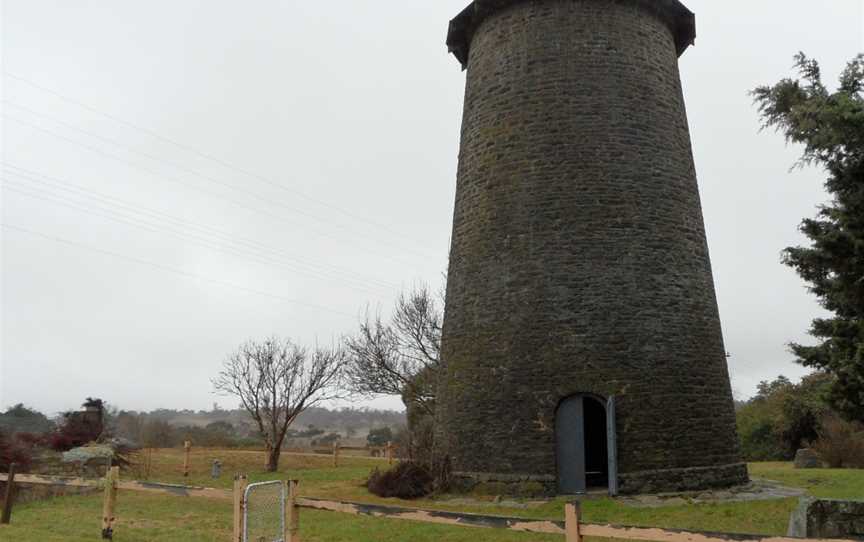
13	451
76	430
31	440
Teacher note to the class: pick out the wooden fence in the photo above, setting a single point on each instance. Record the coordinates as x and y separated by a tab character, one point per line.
571	528
386	452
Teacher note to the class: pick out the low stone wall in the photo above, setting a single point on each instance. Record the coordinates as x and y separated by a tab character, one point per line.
510	485
634	483
825	518
686	479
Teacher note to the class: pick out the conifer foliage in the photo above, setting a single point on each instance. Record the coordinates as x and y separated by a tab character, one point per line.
830	125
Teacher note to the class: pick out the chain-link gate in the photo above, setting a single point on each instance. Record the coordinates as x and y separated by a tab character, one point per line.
264	512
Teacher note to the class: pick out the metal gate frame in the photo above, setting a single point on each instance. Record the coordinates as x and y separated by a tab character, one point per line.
282	502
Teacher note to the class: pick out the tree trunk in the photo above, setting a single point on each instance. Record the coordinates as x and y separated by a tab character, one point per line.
273	458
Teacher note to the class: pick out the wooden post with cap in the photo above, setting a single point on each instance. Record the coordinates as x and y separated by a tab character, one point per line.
187	449
292	512
112	477
572	511
240	484
6	517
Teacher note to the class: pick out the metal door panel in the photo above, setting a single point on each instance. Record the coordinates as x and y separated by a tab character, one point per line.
570	445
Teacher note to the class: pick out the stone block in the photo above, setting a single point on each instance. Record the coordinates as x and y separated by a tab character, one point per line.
807	459
826	518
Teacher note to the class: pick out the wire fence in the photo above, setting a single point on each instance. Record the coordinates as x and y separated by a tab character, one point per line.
264	512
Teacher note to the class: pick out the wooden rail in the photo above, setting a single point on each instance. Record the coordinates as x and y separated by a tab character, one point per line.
385	451
140	487
572	528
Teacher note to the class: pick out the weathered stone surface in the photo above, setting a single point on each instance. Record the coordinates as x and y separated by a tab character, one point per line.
579	262
680	20
807	459
824	518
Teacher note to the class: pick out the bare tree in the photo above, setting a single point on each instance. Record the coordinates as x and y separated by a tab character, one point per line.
276	380
400	357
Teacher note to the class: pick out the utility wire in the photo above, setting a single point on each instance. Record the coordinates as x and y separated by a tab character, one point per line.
147	226
181	167
174	178
206	156
221	235
169	269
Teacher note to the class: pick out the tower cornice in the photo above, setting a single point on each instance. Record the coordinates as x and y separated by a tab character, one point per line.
681	21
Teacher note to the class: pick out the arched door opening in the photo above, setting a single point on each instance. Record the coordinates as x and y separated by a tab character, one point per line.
585	444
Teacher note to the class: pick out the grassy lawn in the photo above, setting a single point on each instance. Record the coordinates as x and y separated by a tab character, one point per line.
144	517
172	519
825	483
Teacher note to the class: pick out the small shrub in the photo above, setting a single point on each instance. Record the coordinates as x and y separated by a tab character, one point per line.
407	480
31	440
841	443
13	451
76	429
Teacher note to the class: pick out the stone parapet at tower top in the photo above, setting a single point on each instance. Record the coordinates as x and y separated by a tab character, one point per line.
581	343
681	21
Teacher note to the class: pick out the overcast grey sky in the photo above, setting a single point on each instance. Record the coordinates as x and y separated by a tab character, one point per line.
180	176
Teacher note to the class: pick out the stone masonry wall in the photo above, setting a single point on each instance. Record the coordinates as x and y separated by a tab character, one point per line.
826	518
579	262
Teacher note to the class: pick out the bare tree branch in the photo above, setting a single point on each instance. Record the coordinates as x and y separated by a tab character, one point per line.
400	357
276	380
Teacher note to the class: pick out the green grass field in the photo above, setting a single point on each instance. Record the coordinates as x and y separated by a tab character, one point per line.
147	517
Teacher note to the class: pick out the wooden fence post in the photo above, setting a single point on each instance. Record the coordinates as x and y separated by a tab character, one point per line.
336	454
10	496
389	453
187	448
240	484
572	511
292	513
112	477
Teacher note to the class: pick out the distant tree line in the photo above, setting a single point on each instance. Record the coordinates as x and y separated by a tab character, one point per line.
24	431
784	417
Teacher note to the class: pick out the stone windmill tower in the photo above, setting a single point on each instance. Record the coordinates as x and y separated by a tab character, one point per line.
582	343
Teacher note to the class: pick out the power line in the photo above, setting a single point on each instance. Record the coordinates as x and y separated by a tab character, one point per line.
176	179
52	182
143	224
206	156
207	244
168	269
180	167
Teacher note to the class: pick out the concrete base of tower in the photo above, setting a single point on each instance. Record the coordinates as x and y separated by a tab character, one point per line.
634	483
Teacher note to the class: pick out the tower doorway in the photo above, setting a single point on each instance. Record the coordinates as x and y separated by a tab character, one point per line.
585	444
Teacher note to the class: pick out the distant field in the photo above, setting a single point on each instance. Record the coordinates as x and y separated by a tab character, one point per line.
145	518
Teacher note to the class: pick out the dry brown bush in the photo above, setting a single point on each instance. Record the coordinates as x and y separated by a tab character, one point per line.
841	443
407	480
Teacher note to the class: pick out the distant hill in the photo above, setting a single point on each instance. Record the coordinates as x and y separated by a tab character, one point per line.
350	422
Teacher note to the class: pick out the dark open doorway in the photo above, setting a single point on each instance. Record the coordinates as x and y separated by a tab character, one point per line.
584	436
596	456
